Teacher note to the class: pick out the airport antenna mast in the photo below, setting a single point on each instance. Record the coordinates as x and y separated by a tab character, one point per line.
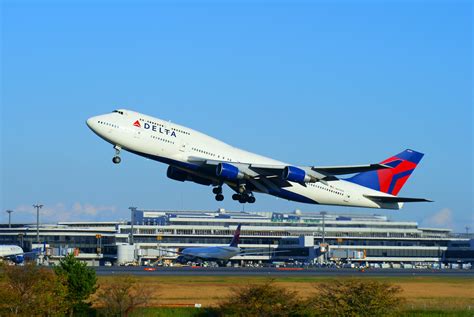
38	207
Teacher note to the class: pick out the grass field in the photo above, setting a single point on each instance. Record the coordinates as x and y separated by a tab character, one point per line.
423	294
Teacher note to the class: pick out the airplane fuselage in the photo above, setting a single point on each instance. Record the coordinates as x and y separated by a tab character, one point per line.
179	146
222	253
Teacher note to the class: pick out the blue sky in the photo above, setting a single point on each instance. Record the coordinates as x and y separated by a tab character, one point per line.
317	83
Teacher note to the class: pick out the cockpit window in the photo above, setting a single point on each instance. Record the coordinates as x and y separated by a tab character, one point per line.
120	112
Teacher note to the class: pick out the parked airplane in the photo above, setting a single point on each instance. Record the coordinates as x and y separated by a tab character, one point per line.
219	254
196	157
12	252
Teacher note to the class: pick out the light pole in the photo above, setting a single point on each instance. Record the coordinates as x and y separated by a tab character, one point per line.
9	218
38	207
323	213
132	219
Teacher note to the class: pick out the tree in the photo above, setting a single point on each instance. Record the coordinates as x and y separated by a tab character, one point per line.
266	300
354	297
121	296
32	291
80	280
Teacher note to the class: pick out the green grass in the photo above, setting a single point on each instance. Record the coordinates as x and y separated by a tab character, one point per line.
438	313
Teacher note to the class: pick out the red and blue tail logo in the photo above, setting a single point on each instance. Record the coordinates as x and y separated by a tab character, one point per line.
236	239
390	180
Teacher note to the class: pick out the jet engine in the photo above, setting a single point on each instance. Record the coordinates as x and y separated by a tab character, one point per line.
228	171
295	174
183	176
19	258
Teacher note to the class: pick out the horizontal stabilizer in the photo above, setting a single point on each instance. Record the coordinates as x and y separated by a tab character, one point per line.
351	169
390	199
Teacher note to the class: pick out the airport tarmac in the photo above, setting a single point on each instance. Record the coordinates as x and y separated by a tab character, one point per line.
274	272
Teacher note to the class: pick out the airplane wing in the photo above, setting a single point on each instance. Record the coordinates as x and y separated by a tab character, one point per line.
349	169
265	178
394	199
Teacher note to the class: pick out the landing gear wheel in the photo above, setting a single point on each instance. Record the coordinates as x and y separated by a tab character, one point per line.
235	197
219	197
243	199
251	199
116	159
217	190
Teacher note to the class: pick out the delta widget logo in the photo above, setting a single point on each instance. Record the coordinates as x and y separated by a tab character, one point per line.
155	128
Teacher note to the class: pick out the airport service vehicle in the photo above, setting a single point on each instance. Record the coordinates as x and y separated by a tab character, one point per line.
219	254
196	157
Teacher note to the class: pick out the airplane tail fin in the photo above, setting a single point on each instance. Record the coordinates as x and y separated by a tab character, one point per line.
390	180
236	239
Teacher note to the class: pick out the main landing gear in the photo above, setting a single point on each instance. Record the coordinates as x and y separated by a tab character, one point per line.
116	159
218	192
244	198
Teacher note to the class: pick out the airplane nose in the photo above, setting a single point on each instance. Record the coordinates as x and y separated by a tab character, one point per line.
90	123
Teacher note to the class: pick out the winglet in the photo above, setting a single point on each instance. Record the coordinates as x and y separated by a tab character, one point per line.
236	239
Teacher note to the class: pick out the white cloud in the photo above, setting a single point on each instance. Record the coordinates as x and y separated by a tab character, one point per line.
442	219
62	212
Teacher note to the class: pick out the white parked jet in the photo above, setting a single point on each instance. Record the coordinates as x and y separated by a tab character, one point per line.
12	252
196	157
16	254
219	254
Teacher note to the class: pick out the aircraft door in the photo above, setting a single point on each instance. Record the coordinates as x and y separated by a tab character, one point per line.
183	147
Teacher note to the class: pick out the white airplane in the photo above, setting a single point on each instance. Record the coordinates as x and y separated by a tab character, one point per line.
196	157
219	254
12	252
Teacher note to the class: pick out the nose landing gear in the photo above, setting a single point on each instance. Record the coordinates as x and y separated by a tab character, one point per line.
116	159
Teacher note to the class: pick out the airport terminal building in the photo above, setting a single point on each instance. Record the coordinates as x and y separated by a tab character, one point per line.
305	237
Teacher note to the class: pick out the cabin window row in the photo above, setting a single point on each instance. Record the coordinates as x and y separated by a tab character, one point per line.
108	123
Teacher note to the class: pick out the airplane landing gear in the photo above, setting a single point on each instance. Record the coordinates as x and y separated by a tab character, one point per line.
116	159
218	191
244	198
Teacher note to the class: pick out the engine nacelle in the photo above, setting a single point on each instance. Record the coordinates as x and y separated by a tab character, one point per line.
176	174
295	174
228	171
19	258
183	176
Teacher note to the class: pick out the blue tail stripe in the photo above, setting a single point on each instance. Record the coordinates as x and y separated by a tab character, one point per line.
411	156
396	177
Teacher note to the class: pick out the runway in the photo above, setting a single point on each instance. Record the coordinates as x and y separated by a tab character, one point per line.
275	272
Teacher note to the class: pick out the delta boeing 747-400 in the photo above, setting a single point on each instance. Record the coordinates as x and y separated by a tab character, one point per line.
196	157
